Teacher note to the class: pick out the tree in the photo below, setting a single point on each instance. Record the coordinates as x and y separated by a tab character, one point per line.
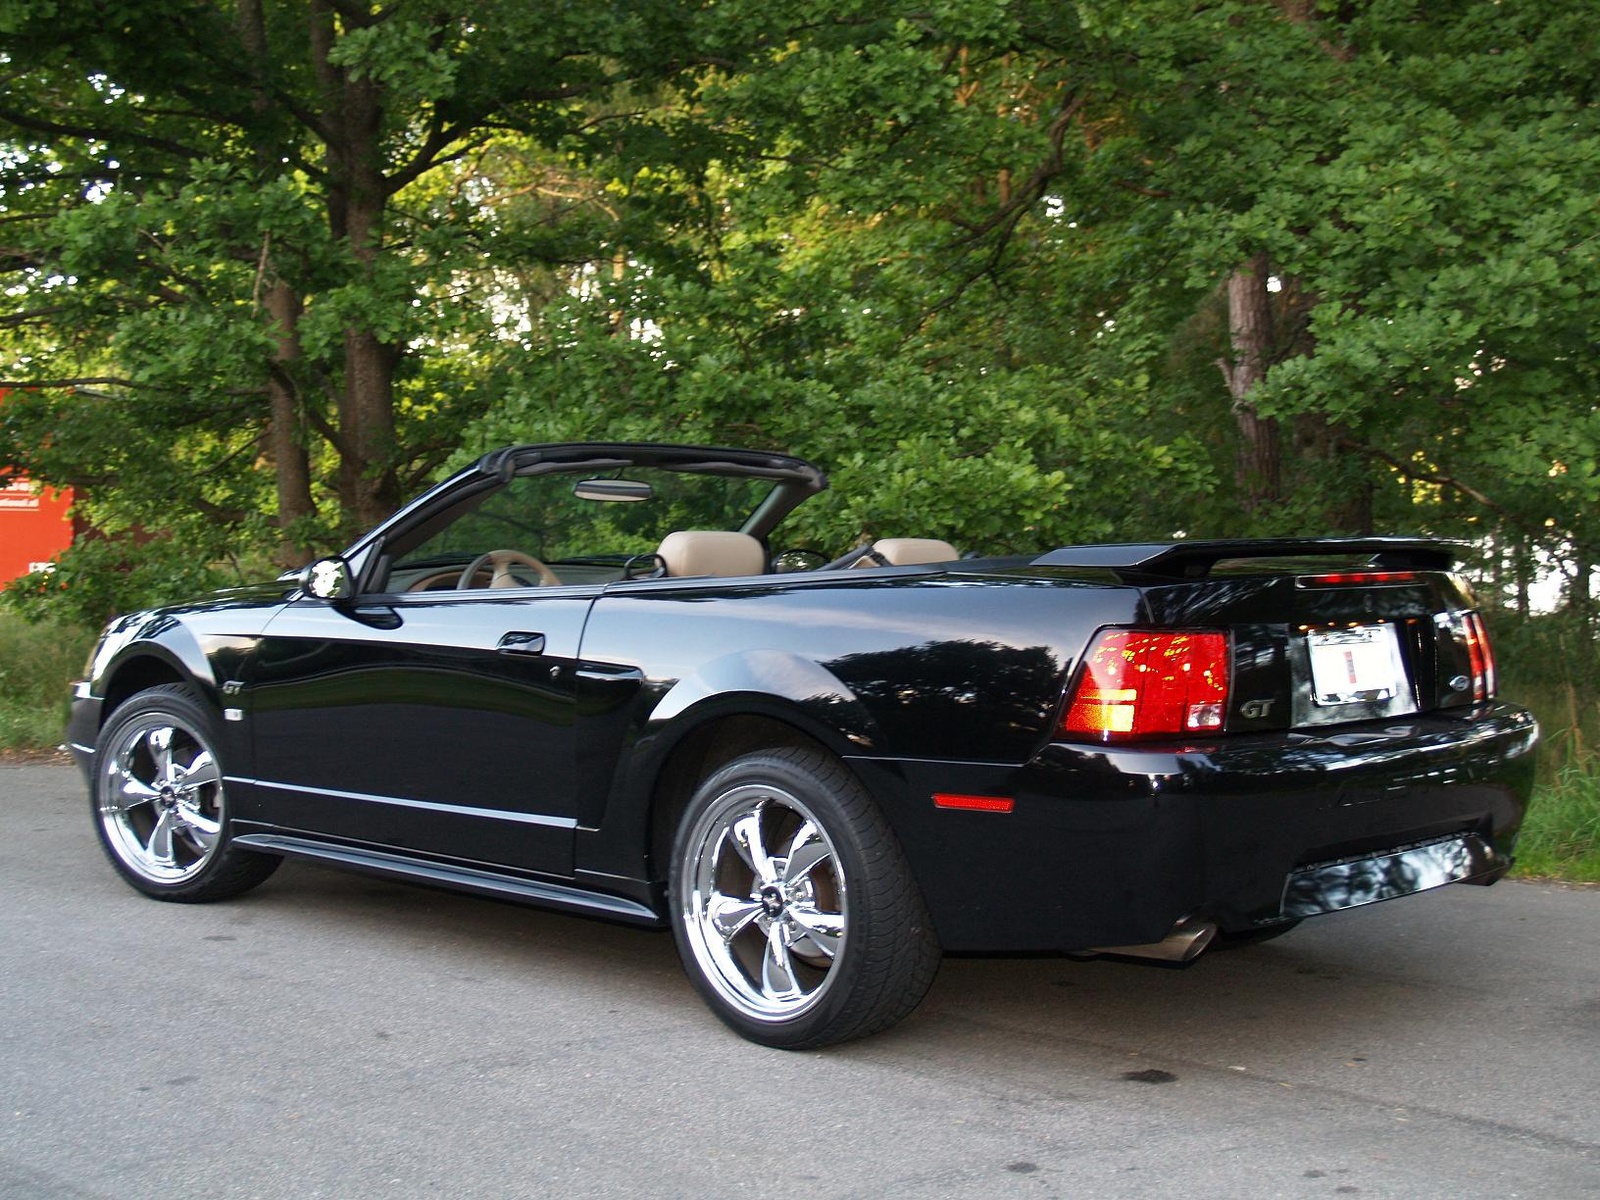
1016	272
1358	238
260	217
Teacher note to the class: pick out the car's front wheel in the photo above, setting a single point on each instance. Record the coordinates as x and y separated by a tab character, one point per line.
794	910
160	807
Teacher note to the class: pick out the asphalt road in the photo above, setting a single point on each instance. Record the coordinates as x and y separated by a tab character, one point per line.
336	1036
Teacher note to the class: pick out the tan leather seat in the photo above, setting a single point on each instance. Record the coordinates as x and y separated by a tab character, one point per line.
711	552
903	552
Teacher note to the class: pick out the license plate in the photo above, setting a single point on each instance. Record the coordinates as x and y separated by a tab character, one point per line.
1356	666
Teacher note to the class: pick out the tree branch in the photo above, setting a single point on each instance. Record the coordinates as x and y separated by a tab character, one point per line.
429	154
1008	215
86	381
1538	530
56	129
15	320
1410	471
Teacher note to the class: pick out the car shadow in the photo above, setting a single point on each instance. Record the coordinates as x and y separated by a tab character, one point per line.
1321	990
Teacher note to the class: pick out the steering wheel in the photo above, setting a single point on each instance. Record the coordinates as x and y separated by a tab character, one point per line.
501	577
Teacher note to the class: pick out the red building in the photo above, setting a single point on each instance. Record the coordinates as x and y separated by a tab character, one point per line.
35	524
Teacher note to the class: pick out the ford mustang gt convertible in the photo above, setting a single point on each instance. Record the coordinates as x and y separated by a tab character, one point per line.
595	678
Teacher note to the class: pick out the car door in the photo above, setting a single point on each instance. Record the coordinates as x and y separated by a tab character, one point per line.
439	722
432	711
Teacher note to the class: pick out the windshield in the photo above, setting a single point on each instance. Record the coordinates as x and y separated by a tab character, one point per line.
586	526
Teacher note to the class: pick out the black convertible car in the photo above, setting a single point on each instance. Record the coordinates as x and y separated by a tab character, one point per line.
589	677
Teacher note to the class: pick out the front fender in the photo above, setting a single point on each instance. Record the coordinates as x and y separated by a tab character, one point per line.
199	647
161	637
135	652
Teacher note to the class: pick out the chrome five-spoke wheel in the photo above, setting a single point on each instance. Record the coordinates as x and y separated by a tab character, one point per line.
765	910
161	799
160	804
794	911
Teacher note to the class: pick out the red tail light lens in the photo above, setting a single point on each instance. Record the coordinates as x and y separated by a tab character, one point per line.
1357	579
1481	658
1147	683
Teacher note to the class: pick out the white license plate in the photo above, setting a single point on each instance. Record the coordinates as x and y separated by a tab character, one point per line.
1356	666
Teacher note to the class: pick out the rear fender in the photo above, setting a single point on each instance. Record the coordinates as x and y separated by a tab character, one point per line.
840	719
776	686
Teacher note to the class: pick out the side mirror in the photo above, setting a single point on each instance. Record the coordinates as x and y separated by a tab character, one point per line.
330	579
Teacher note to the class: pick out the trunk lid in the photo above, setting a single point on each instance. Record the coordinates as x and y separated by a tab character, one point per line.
1321	632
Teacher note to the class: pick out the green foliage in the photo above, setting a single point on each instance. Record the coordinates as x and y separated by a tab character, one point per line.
1551	664
208	217
970	258
1561	837
1427	179
37	664
96	579
995	461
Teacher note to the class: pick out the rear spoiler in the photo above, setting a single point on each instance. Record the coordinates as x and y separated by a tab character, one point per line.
1194	560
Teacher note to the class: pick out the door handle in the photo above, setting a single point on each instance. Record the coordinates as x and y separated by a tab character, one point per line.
530	644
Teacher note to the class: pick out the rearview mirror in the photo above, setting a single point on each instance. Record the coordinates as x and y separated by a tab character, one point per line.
330	579
611	489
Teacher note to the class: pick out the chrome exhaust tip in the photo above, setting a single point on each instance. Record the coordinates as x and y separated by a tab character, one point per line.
1185	942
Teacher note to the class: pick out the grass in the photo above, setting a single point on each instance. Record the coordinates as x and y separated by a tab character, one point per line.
1561	838
37	663
1558	681
1550	664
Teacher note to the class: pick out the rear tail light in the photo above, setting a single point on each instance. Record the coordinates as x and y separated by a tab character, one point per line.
1481	658
1138	683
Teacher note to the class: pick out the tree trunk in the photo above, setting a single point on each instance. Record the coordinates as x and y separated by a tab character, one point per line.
1522	573
368	486
286	444
1258	470
357	196
285	436
1580	592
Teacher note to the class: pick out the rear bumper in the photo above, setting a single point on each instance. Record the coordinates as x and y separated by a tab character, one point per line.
1116	846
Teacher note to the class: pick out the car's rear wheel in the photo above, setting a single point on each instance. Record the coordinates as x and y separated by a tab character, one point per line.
160	806
794	911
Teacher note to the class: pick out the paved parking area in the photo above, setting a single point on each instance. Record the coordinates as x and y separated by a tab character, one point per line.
337	1036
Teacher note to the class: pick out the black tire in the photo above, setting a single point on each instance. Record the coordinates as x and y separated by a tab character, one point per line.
794	911
159	804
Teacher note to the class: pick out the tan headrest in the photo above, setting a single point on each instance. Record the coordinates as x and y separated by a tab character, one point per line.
711	552
902	552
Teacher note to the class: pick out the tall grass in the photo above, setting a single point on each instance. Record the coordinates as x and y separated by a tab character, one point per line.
37	663
1562	836
1551	664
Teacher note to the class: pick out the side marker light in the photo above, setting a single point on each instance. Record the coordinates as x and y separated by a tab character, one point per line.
993	804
